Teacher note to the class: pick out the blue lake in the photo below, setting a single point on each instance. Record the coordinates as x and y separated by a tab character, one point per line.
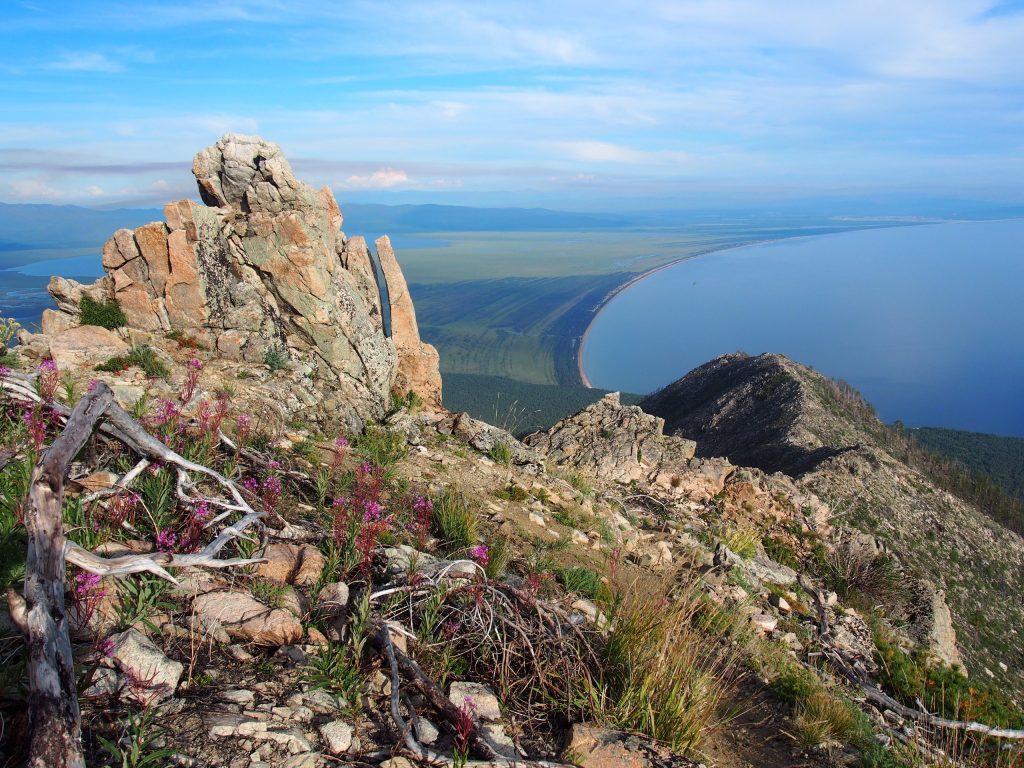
926	321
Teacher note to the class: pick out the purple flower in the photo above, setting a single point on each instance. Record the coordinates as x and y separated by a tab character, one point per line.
195	364
166	411
166	539
48	366
87	583
251	484
481	553
371	511
201	512
274	464
422	505
4	371
340	442
93	383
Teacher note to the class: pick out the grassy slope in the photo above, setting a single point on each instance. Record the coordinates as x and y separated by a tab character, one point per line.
1001	458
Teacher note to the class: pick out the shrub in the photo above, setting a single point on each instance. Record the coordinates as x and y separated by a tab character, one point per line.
143	357
276	357
499	555
106	314
454	521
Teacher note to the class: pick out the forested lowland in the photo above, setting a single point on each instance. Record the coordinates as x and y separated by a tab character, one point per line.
517	406
1000	458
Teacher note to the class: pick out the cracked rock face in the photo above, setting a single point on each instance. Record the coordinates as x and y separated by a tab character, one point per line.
614	441
263	267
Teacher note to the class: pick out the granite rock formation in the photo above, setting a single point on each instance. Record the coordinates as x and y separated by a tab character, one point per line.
264	268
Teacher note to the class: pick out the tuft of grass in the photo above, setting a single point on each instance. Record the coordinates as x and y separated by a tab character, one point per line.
583	581
106	314
512	492
579	482
501	453
823	718
863	578
743	541
499	556
455	521
380	446
143	357
666	672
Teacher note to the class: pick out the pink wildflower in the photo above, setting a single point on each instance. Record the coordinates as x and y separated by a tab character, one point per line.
49	379
36	423
93	383
188	386
371	511
4	372
166	539
481	553
243	428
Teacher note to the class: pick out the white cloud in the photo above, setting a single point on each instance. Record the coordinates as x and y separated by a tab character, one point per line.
84	61
385	178
32	189
94	191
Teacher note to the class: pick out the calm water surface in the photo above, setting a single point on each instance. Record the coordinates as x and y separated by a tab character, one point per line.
926	321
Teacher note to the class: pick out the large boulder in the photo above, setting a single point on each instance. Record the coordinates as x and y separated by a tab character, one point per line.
263	267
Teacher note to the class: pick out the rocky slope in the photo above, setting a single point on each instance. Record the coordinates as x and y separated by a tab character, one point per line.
772	413
263	270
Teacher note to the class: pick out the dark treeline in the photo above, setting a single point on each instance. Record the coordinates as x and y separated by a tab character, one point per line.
1001	458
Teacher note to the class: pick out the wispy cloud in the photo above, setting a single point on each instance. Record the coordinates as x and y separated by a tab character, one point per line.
84	61
385	178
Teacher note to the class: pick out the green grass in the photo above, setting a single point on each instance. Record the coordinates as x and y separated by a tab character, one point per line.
143	357
455	521
106	314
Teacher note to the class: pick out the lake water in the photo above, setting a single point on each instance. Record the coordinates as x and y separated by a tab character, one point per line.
926	321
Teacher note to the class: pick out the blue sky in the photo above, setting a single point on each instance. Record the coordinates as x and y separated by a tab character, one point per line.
573	105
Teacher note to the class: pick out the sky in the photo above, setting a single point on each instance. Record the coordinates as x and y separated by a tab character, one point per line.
572	105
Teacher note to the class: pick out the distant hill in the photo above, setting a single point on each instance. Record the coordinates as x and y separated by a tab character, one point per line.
1001	458
24	226
519	407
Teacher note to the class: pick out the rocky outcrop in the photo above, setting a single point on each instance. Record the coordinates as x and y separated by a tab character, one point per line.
614	441
264	270
931	623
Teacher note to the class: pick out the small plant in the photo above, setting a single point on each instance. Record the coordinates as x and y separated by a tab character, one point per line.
380	446
8	330
580	483
501	453
499	555
666	672
268	592
583	581
276	357
141	599
106	314
136	748
455	522
143	357
863	577
512	492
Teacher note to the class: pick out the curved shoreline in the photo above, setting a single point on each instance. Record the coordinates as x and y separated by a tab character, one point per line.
582	339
